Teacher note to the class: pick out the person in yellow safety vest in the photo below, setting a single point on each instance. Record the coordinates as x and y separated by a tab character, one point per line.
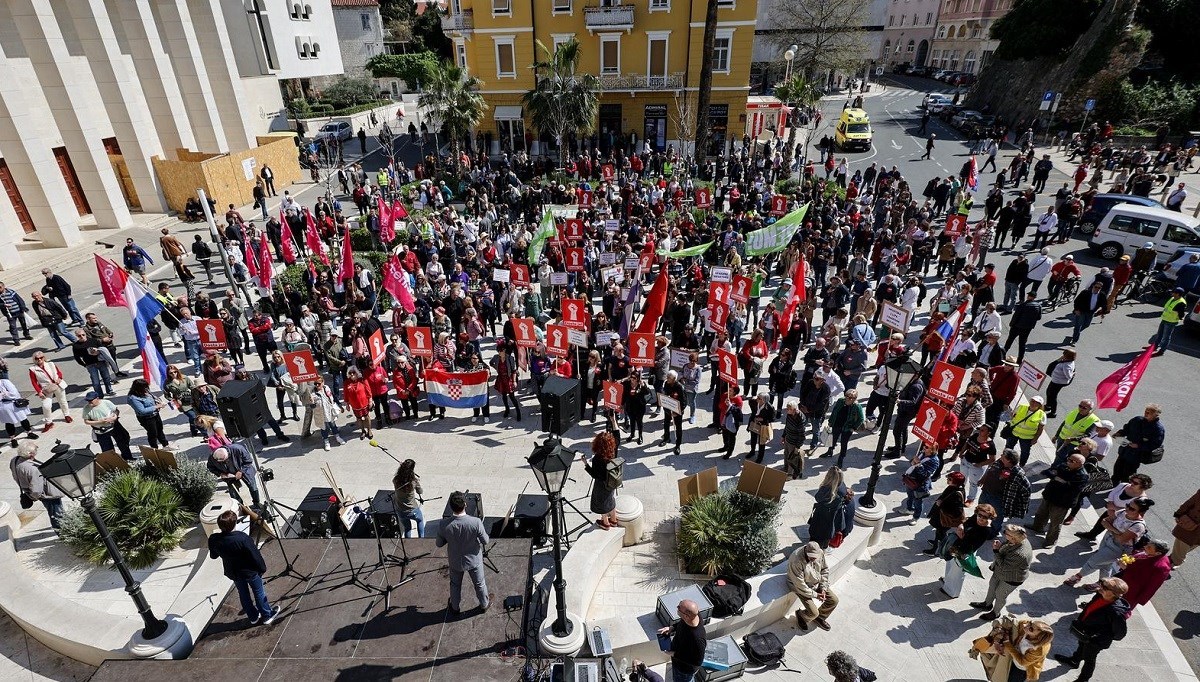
1173	311
1026	426
1077	424
382	179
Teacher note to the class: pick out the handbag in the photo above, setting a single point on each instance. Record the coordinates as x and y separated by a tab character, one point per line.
1153	457
26	500
836	540
24	402
1007	432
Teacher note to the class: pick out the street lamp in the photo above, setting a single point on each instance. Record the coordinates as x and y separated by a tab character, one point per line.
551	462
73	472
901	372
788	56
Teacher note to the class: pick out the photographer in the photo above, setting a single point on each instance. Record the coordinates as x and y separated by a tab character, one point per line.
104	418
233	464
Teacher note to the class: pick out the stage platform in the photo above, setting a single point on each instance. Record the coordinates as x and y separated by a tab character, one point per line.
331	630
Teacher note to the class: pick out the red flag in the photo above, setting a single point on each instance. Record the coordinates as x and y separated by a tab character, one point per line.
112	282
288	245
312	239
251	259
973	175
398	211
387	231
656	303
346	267
1116	389
795	296
265	271
395	282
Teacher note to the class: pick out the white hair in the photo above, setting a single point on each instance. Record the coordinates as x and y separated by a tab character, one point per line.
220	454
791	402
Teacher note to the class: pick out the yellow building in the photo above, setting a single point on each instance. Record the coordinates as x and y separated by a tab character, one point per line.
647	54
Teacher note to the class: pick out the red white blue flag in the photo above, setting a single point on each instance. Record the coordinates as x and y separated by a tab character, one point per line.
456	389
973	175
144	307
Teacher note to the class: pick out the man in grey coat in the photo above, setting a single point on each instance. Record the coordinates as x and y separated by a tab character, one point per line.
29	479
466	538
1009	570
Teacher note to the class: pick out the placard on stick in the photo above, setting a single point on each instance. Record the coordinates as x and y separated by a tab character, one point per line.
697	485
110	462
761	481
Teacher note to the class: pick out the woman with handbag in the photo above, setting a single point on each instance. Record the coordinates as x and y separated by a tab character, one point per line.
960	545
1101	622
325	410
761	433
280	379
976	454
147	409
948	510
750	358
918	481
830	496
1122	533
14	411
1015	651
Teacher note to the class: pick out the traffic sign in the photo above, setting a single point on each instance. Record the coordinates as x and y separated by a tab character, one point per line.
1047	100
1089	105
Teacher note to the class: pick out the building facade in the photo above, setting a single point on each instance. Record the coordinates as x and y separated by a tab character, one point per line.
359	33
93	90
962	41
909	32
646	54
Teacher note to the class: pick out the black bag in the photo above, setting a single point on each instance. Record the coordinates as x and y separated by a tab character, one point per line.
1152	457
763	648
728	594
26	500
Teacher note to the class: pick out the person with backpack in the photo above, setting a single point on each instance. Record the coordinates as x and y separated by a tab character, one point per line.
1100	623
605	470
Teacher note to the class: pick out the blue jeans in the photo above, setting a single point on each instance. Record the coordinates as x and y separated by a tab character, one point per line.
407	518
257	607
915	504
1165	331
69	304
191	349
54	507
58	332
1082	321
816	424
99	372
329	430
679	676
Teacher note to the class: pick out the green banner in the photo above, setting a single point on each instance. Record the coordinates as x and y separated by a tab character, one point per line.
775	237
546	230
685	253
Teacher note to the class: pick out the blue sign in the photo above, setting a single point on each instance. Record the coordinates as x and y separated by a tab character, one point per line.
1049	96
1089	105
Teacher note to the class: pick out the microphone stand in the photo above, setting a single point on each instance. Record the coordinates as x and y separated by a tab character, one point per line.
270	515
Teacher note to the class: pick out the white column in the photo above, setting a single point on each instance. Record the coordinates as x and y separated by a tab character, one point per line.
183	45
70	89
153	66
121	91
224	79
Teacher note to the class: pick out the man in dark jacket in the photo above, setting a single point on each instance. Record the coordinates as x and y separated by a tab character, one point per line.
906	410
1087	304
1101	622
814	403
60	290
244	565
1143	435
1024	320
1005	487
1066	483
234	465
1041	173
1015	280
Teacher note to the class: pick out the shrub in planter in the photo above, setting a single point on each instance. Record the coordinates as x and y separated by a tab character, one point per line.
145	517
190	480
728	532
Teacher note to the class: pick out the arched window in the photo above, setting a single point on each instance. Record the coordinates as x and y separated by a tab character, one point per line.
962	31
912	47
969	62
941	32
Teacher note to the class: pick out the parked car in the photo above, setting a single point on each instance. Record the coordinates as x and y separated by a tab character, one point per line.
964	118
949	111
922	71
1103	203
962	78
1128	226
939	74
934	102
902	69
335	130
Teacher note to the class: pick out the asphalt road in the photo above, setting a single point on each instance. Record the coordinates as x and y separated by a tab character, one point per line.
893	110
1102	349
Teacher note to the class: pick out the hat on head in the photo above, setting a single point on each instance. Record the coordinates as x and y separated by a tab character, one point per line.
1010	360
92	395
1037	399
1106	424
1125	257
1179	290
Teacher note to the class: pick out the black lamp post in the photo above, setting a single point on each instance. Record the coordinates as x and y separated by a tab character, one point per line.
551	462
73	472
901	372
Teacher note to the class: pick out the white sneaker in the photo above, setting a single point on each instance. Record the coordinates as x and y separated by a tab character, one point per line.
326	441
339	440
474	420
273	616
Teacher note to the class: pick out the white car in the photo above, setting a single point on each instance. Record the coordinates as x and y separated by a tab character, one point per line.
936	101
335	130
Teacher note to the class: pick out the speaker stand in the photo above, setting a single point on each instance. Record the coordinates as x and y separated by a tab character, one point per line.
272	514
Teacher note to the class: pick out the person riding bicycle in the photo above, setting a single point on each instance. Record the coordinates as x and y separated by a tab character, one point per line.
1063	272
1144	259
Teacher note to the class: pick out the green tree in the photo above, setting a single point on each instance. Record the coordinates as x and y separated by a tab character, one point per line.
453	98
1152	104
413	68
415	32
562	102
797	93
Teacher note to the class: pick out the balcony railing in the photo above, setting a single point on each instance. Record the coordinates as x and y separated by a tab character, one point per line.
619	18
631	81
463	22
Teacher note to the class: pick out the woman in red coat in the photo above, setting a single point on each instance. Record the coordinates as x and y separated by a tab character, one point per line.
404	377
377	379
357	394
1151	568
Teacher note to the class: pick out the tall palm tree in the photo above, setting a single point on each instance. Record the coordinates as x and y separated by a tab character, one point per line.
562	101
797	93
705	92
453	97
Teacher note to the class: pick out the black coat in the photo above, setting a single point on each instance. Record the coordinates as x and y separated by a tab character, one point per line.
1025	316
1105	624
238	554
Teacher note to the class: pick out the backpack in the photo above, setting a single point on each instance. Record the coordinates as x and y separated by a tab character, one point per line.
763	648
728	594
612	473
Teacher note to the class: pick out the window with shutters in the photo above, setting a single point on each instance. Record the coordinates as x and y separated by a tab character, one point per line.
506	57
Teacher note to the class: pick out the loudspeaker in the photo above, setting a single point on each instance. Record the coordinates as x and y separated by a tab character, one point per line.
311	512
529	518
243	407
474	506
560	398
385	514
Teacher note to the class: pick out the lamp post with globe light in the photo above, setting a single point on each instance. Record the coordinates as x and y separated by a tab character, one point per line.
901	372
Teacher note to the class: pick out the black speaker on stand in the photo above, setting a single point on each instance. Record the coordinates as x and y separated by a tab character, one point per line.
560	398
243	407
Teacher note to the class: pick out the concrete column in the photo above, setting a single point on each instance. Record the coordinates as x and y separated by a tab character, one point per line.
224	78
70	88
117	80
183	45
11	233
155	74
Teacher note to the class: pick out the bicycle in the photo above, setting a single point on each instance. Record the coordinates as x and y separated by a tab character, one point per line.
1065	293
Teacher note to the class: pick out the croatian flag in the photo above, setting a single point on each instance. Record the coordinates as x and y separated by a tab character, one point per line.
948	329
143	308
457	389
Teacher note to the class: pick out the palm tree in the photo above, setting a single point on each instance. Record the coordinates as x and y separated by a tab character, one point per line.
705	84
453	97
797	93
562	102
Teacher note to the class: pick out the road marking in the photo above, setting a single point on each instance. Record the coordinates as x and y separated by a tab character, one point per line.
896	145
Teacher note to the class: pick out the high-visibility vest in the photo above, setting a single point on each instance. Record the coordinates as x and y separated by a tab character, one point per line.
1074	426
1025	428
1171	310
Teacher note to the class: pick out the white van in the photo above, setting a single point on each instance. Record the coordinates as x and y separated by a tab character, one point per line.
1128	226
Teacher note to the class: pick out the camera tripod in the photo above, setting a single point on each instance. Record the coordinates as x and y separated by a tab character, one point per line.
270	514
